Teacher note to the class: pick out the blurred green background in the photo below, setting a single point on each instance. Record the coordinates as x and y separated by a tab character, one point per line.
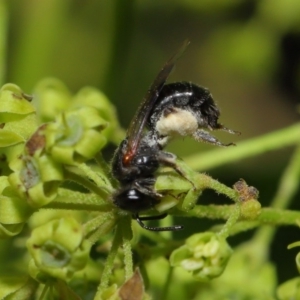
246	52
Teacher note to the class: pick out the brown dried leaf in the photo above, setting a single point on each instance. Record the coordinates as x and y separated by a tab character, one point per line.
246	192
133	288
37	141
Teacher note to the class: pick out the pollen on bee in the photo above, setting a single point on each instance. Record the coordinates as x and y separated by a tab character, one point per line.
179	122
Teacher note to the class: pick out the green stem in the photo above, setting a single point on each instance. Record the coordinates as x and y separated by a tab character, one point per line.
105	167
232	220
100	191
68	199
288	187
201	181
100	179
289	182
208	182
125	223
44	291
60	204
198	182
212	212
274	216
167	284
108	267
97	227
239	227
271	141
268	216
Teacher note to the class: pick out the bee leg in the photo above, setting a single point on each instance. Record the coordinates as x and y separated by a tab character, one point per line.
145	186
169	159
201	135
223	128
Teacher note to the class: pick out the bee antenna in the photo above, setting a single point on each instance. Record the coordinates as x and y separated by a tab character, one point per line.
144	226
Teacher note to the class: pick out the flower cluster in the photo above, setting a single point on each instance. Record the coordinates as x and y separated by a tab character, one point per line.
35	158
76	135
33	154
36	175
58	249
205	255
52	138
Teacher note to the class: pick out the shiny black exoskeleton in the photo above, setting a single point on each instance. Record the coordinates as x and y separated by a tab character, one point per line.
167	111
136	178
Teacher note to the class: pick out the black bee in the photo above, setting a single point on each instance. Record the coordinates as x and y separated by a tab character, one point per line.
180	108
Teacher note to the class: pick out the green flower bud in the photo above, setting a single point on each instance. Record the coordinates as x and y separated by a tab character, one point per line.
7	154
18	122
44	216
250	209
75	136
14	211
14	104
51	98
8	230
22	128
170	181
89	96
36	176
58	249
13	136
166	203
9	138
36	179
289	289
205	255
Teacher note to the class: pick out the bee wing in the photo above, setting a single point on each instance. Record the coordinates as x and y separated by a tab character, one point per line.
138	123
